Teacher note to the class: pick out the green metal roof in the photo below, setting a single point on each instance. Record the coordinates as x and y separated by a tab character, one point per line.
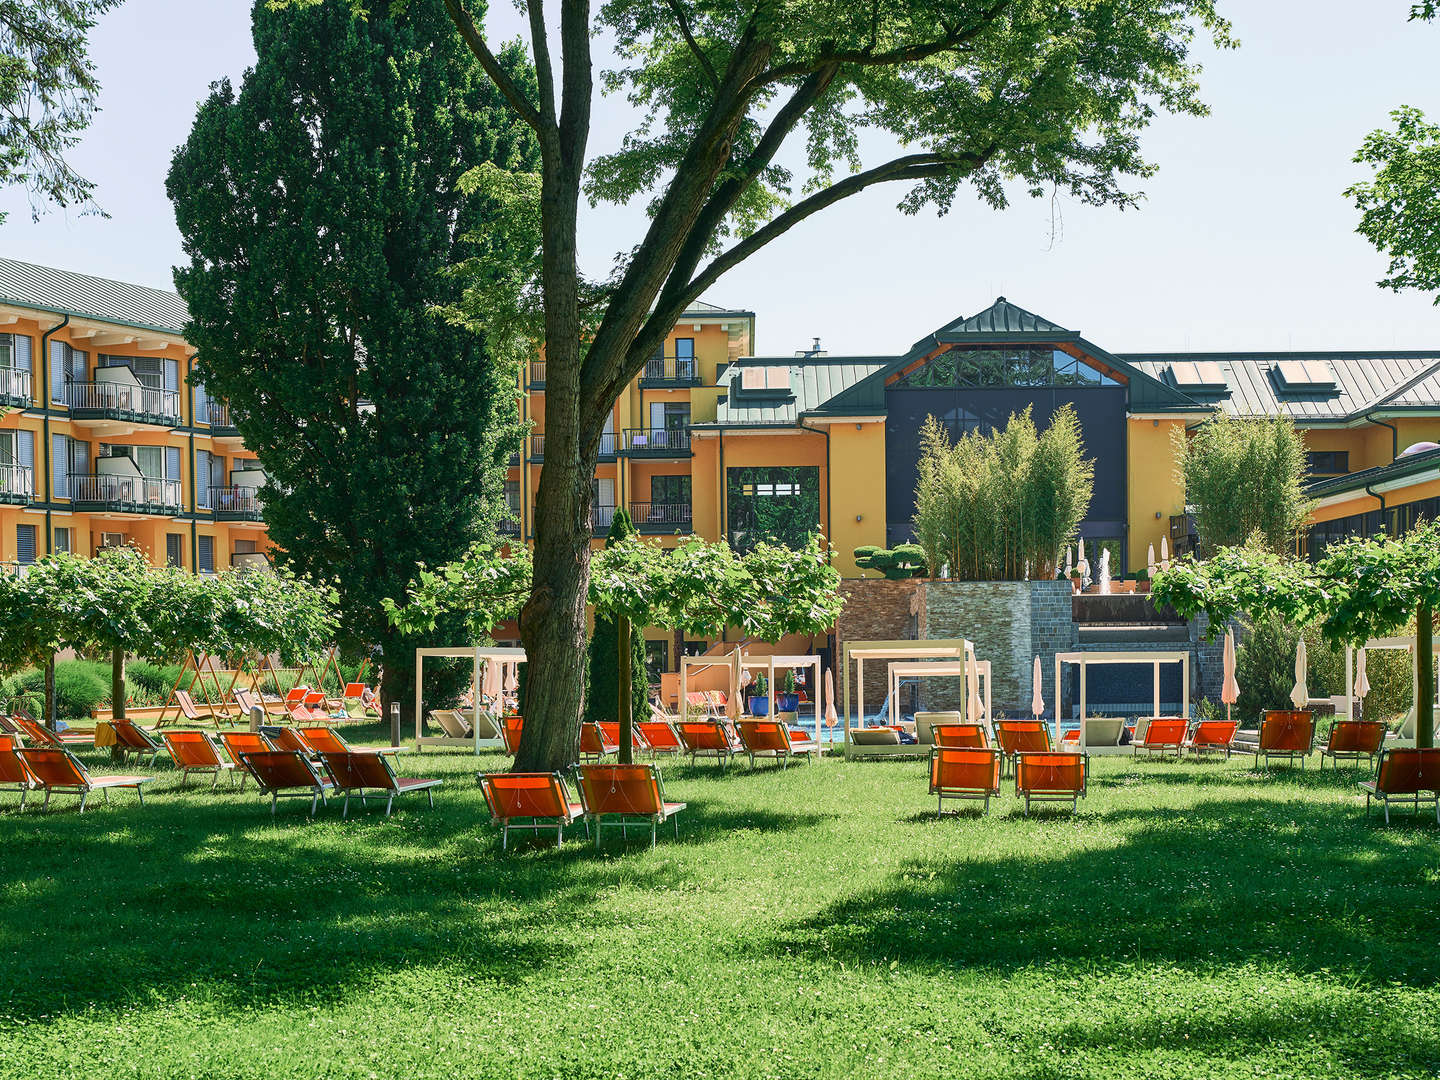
62	292
1422	465
702	309
819	386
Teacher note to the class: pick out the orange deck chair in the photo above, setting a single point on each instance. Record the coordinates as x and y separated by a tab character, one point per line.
610	729
1052	777
1159	735
14	776
1021	737
510	729
697	703
196	751
625	793
964	773
1211	735
708	738
363	775
239	743
543	798
356	692
1353	739
37	734
1405	774
595	743
131	738
290	738
287	774
327	740
660	736
964	736
1287	733
772	739
60	772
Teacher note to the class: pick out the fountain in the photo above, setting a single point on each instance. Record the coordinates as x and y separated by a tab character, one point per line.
1104	570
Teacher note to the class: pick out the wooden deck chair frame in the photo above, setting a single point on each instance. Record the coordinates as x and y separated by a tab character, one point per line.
969	755
553	784
1025	761
42	760
658	812
366	776
1422	757
313	786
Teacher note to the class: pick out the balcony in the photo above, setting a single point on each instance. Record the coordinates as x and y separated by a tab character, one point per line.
601	518
15	387
662	517
658	442
537	375
122	401
17	484
670	371
609	447
15	569
125	494
510	526
217	415
235	503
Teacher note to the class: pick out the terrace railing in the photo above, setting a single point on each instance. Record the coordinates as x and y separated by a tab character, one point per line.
15	386
217	415
609	446
662	517
537	374
658	441
234	503
136	494
601	518
670	371
122	401
17	483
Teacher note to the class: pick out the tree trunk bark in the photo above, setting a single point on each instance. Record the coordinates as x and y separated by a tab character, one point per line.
117	684
623	648
1425	664
48	718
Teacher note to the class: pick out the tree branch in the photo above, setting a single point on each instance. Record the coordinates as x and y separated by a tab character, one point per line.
472	37
578	85
683	21
544	70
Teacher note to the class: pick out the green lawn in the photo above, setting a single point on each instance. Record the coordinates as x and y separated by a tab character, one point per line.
1192	920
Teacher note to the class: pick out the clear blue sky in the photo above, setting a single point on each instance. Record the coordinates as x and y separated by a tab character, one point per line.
1245	241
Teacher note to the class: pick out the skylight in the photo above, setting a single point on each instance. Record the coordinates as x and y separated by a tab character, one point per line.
1305	375
1198	375
770	378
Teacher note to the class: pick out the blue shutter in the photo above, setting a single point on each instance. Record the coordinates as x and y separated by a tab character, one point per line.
57	372
172	375
202	479
202	405
25	543
25	454
23	358
172	463
59	467
207	555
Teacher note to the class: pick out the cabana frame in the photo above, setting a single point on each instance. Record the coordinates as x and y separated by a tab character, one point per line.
948	669
478	657
1374	644
1153	659
940	649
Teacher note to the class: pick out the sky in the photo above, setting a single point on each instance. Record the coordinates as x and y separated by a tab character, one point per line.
1245	239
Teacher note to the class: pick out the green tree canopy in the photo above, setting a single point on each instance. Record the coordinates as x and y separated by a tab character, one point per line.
322	207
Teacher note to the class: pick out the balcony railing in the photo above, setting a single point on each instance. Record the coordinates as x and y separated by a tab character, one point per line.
661	517
17	484
537	374
601	518
658	441
670	371
122	401
609	446
235	503
510	526
15	569
14	387
132	494
217	415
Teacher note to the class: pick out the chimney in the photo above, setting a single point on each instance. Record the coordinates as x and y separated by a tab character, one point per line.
814	350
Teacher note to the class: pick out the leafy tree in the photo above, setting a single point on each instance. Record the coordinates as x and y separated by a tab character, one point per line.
605	699
321	206
1032	95
1242	477
47	96
1000	505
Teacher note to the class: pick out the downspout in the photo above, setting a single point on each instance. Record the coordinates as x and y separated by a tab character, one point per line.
46	406
1369	490
1369	418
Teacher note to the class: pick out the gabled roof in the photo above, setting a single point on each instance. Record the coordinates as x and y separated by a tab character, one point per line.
1363	382
819	386
62	292
706	310
1001	318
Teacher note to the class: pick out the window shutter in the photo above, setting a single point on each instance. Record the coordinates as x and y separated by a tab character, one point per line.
25	543
58	371
202	479
174	549
77	365
23	359
79	457
207	554
25	452
59	466
217	471
172	463
202	405
172	375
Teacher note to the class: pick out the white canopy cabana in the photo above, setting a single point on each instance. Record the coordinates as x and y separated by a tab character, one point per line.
754	663
1153	659
478	657
860	651
729	660
937	668
1406	643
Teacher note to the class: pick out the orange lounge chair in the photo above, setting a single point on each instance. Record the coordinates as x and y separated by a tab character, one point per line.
1052	777
196	751
660	736
287	774
1022	737
239	743
192	714
610	732
771	738
362	696
1353	739
366	775
708	738
14	776
1159	735
1286	733
1405	774
964	736
131	738
290	738
326	740
624	793
541	797
59	771
510	729
595	743
1208	735
964	773
37	734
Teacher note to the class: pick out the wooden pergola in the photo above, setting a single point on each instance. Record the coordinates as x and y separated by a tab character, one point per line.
477	657
1152	659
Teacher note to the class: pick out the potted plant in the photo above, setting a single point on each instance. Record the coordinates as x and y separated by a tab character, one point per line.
1142	580
1077	579
787	698
759	698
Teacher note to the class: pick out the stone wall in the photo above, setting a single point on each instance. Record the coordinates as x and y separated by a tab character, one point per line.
876	610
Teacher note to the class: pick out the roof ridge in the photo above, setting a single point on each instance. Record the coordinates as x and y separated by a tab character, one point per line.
1409	384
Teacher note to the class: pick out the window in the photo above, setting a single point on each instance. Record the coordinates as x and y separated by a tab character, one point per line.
202	479
512	496
15	357
244	547
206	560
17	463
684	358
777	504
1201	375
63	539
25	544
1327	463
1305	375
670	490
67	365
1005	365
657	658
68	457
175	549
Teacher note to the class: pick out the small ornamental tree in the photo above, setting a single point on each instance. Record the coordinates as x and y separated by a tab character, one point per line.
897	563
617	659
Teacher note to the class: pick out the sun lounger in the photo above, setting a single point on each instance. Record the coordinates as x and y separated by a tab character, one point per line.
773	739
1021	737
363	776
195	751
1099	731
452	723
239	743
1211	736
1159	735
247	701
961	773
14	776
594	744
290	738
287	774
1051	777
543	798
1286	733
1405	774
192	714
130	738
964	736
510	730
925	721
708	738
59	771
624	793
1352	740
364	699
660	736
327	740
37	734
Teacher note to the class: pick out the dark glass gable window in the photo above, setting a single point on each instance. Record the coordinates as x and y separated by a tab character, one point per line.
1004	365
1327	463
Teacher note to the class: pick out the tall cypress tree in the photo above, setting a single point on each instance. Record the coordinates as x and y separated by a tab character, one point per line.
320	206
602	700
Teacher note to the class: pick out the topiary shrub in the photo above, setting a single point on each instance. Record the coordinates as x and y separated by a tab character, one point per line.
902	561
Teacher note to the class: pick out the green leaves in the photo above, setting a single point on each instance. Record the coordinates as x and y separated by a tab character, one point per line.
1399	210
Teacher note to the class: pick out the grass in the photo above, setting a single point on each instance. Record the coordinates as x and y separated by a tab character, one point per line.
1191	920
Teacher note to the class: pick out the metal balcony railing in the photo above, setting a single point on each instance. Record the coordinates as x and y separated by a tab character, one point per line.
14	386
661	517
234	503
670	371
122	401
137	494
601	518
537	374
609	446
510	526
15	569
658	441
217	415
17	483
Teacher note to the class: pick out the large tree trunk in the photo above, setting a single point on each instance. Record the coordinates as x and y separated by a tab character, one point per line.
117	684
1425	666
48	717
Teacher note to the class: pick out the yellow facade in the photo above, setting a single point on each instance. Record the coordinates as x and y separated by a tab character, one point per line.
1154	491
